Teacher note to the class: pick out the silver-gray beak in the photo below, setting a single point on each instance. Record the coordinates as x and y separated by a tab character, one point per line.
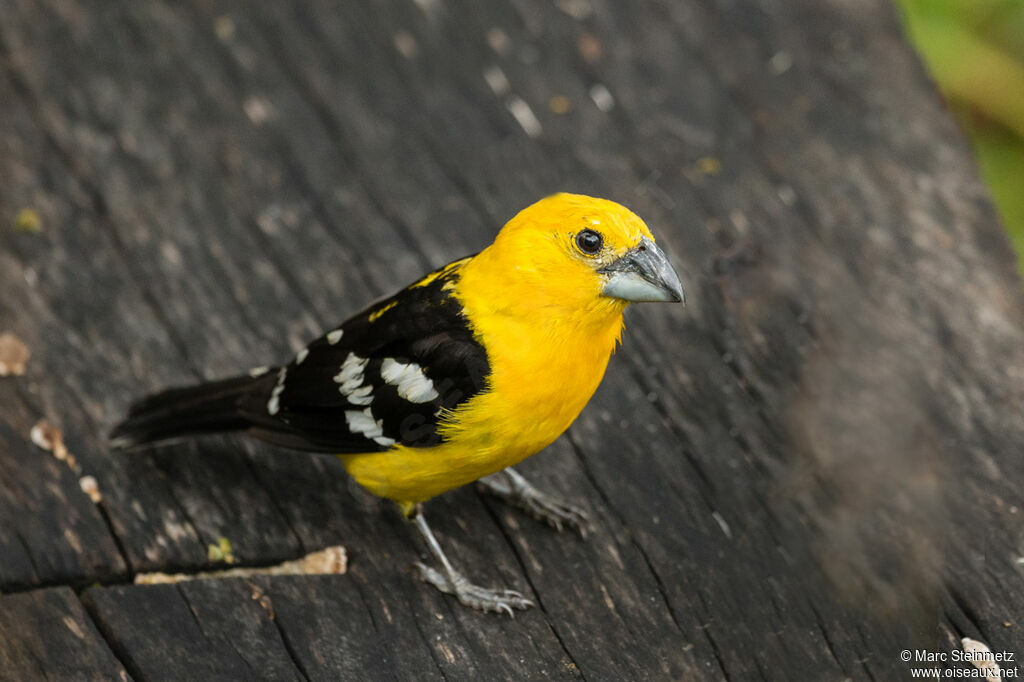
643	274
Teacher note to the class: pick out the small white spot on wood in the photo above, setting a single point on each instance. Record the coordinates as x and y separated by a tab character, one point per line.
428	7
224	27
616	557
14	354
72	539
497	81
602	97
258	109
982	658
739	221
448	654
75	628
91	488
269	220
498	40
787	195
524	116
406	44
781	62
335	336
257	372
607	598
51	439
577	9
720	520
410	380
170	252
301	355
175	529
42	434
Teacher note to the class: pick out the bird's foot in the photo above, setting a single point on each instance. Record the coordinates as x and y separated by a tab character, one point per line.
510	487
555	513
473	596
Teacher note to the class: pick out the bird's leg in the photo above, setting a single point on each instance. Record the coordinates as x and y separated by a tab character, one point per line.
510	487
450	581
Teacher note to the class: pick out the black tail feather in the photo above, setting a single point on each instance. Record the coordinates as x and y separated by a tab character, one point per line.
193	410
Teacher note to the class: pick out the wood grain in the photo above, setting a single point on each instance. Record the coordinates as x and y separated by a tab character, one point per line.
811	467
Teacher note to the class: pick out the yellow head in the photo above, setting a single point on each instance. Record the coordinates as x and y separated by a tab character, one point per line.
577	253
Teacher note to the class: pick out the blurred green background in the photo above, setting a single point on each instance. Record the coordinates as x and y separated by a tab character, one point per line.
975	51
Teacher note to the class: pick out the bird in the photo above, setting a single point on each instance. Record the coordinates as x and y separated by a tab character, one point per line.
454	379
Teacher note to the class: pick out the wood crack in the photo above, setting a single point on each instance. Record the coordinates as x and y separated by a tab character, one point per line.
533	588
122	655
610	506
199	624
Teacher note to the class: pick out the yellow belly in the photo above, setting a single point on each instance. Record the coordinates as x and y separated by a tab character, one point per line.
532	399
495	431
406	474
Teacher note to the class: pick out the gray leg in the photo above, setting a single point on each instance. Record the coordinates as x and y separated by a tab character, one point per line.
450	581
510	487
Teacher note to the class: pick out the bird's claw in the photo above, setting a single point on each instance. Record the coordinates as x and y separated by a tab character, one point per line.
473	596
557	514
518	492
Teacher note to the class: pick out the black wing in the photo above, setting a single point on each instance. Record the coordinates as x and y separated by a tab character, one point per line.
383	377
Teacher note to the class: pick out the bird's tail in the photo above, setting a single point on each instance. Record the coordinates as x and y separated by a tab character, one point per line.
210	407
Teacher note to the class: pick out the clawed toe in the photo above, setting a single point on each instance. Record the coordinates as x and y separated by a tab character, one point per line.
510	486
474	596
559	515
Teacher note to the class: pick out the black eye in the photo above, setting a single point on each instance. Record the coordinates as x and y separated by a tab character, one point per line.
589	241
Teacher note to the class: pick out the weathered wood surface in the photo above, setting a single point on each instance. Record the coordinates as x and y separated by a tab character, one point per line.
815	465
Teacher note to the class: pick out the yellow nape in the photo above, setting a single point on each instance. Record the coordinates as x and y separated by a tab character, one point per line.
533	299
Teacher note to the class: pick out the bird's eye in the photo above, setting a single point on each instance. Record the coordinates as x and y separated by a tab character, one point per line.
590	242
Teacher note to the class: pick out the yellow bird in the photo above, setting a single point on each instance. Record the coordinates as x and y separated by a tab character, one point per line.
455	378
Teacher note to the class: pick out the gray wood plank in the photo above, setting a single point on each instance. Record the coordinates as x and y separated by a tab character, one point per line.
46	634
814	462
210	630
